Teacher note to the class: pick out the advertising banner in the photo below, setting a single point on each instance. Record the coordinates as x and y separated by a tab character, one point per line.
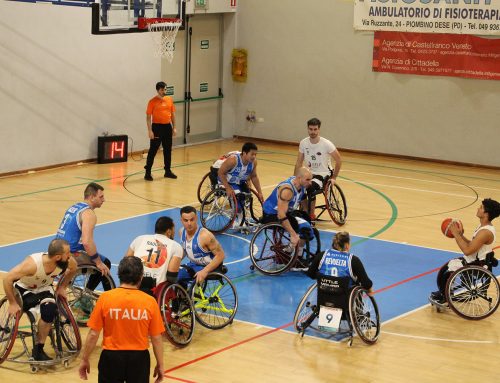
476	17
437	55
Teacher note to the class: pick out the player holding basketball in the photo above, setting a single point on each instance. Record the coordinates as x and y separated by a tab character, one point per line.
316	152
200	246
161	256
475	250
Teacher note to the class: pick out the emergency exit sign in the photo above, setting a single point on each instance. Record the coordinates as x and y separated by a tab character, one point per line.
201	4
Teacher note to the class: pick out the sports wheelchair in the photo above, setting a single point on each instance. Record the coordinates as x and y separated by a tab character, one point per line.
215	301
206	185
473	291
218	211
64	335
177	311
335	202
335	309
272	253
84	290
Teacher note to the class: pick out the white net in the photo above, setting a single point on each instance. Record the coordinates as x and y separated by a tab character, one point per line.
163	35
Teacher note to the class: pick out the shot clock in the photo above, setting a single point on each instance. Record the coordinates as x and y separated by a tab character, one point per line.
112	149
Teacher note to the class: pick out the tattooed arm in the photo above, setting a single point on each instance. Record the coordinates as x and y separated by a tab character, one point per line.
209	242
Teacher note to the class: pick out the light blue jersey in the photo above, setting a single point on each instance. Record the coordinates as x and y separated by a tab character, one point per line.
70	228
240	172
271	203
193	250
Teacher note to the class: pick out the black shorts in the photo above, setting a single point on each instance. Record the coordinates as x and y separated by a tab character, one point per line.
31	299
129	366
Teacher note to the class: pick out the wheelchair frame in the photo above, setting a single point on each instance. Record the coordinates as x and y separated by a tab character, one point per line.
335	202
177	311
80	298
218	212
64	331
360	318
472	292
270	250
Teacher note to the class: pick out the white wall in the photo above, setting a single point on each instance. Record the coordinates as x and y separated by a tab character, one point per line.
61	87
306	60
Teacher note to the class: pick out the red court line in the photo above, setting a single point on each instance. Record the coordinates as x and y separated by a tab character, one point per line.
229	347
406	280
179	379
288	324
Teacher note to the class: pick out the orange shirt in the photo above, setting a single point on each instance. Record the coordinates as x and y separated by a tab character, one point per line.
128	316
161	109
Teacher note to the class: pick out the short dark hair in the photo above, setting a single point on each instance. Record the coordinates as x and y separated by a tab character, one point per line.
187	210
56	247
130	270
91	190
491	207
247	146
160	85
163	224
314	122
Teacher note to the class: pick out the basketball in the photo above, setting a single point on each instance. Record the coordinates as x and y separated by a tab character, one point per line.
445	226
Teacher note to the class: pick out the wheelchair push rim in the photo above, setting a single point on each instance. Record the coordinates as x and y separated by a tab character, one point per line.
364	315
215	301
306	310
217	211
336	203
9	326
178	317
473	292
269	250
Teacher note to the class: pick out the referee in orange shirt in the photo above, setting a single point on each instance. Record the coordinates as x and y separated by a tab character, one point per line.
160	119
127	316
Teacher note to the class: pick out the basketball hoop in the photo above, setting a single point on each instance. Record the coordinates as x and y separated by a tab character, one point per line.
164	40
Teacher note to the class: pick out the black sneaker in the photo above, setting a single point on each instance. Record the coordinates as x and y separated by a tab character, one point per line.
437	297
148	177
40	355
170	175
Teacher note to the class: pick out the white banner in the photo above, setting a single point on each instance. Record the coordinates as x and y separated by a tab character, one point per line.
474	17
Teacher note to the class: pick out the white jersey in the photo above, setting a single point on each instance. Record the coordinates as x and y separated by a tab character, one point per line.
40	281
217	164
317	156
483	250
155	251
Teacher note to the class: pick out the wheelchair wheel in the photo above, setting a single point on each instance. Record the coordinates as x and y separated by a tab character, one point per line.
82	299
307	310
215	301
177	312
473	292
363	312
336	203
70	333
204	187
270	250
255	208
217	211
312	247
9	325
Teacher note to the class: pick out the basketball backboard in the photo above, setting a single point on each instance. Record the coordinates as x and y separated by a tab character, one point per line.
121	16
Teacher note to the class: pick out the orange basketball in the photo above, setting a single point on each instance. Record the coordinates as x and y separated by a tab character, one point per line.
445	226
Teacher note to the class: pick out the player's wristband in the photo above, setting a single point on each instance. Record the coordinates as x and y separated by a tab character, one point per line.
94	257
283	219
172	276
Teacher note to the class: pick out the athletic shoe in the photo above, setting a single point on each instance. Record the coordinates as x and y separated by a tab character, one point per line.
437	297
148	177
169	174
40	355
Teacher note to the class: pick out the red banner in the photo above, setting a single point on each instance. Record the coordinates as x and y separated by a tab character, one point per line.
437	55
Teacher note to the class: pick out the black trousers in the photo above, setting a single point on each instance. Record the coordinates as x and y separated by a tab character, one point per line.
163	137
124	366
